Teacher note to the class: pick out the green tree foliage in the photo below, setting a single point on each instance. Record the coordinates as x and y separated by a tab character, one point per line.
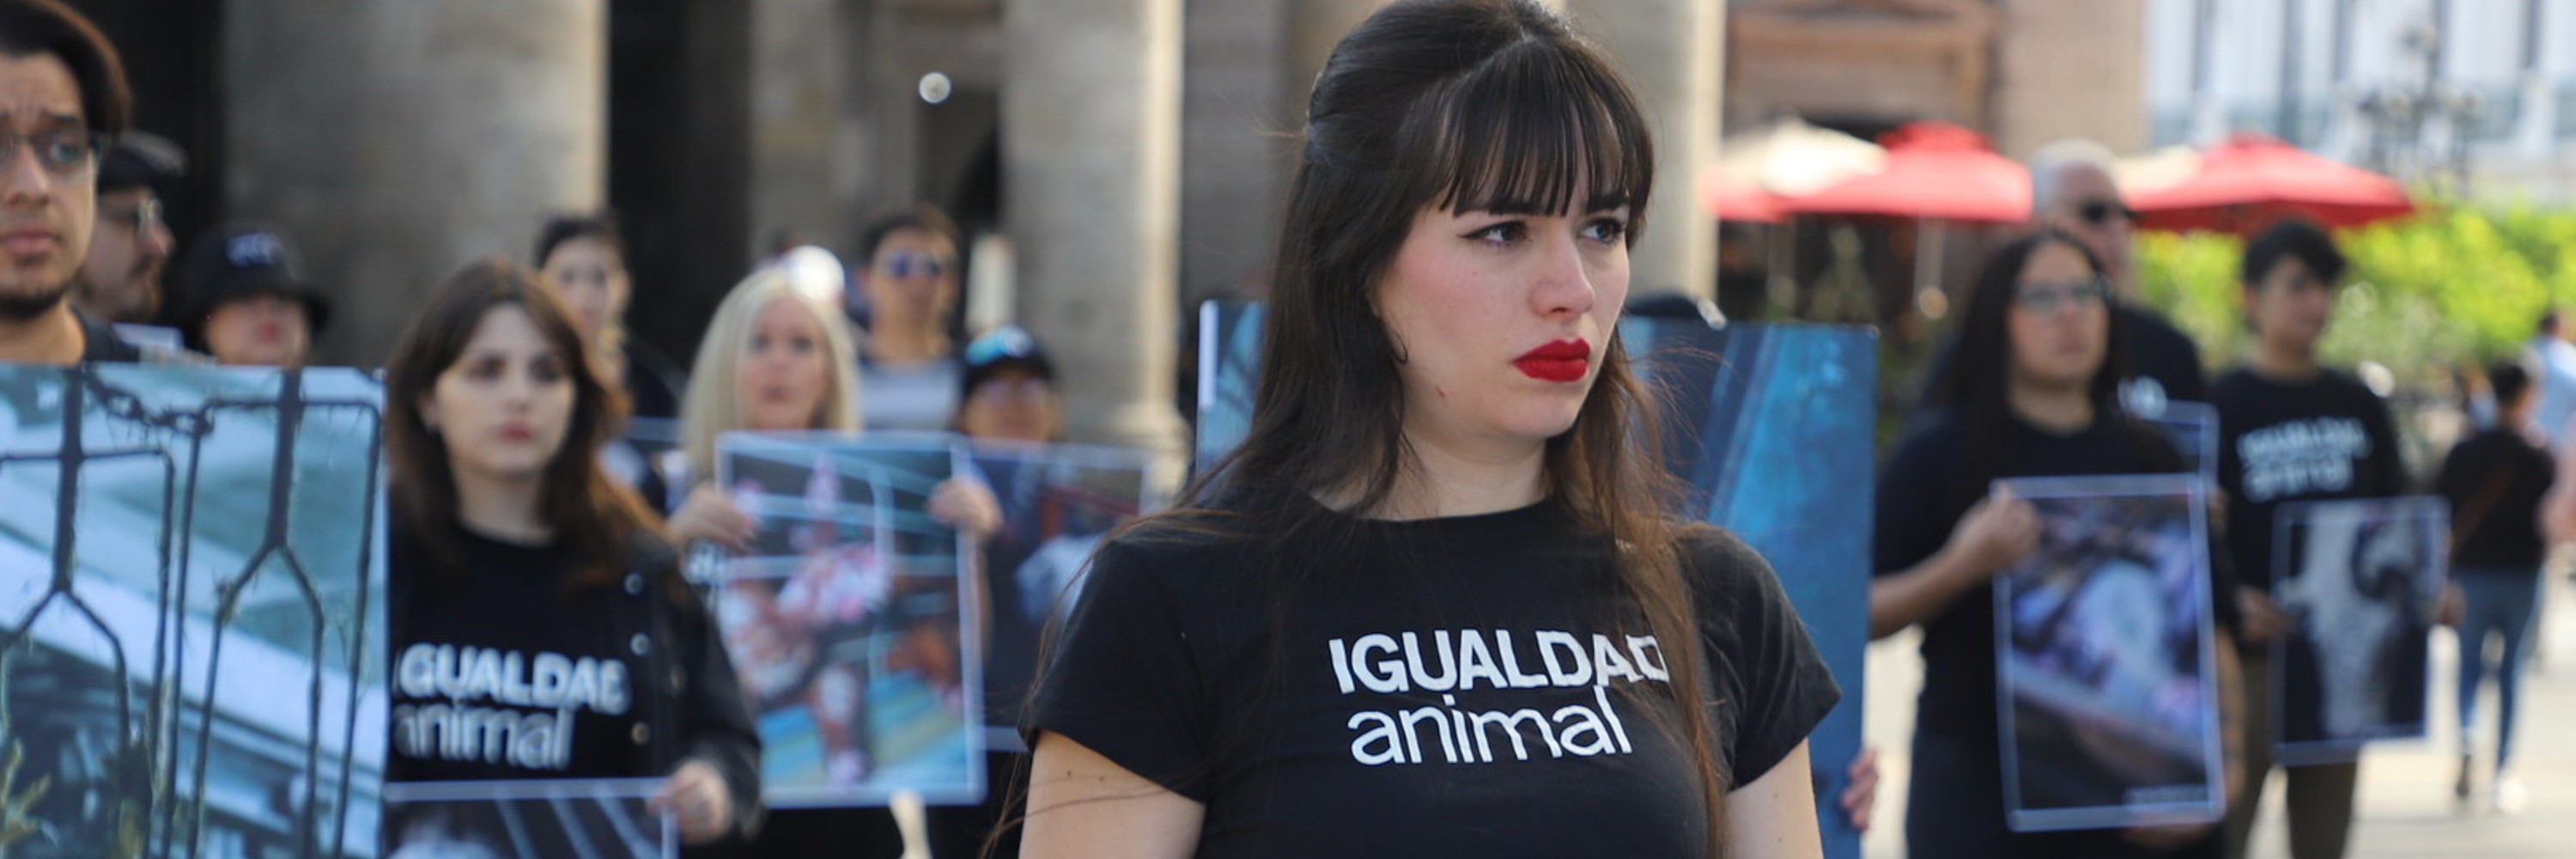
2450	288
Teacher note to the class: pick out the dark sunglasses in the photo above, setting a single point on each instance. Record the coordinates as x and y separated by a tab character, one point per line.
2098	211
914	264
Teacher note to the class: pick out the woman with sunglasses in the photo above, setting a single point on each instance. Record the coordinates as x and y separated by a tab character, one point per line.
2033	391
510	543
908	282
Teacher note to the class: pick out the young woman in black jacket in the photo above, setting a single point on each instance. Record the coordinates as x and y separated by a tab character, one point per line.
539	625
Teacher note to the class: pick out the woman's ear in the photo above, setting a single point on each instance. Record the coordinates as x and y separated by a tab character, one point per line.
428	409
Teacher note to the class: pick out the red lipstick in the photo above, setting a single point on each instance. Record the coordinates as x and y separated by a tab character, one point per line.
1559	361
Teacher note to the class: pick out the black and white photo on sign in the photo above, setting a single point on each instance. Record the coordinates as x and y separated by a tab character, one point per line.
849	618
570	819
2362	581
2106	661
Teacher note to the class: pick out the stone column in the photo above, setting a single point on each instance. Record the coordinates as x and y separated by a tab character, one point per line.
1234	161
396	140
1091	104
801	178
1672	51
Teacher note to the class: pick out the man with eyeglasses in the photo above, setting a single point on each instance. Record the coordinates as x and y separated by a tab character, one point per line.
908	279
2071	190
62	94
121	278
2291	430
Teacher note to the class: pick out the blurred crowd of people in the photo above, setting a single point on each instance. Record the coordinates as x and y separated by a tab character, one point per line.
2053	369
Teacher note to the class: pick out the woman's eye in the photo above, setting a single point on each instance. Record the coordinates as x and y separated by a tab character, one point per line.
1507	232
802	345
547	372
1607	230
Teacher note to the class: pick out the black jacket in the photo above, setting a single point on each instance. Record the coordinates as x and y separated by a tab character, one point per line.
687	702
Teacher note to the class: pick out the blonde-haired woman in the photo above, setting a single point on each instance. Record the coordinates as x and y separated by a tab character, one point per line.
778	359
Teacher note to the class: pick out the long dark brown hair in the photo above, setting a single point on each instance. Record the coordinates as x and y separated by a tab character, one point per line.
1977	383
1458	105
599	521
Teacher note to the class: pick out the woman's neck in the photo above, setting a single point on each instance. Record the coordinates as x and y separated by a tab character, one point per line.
503	508
907	344
2285	362
2062	408
1440	481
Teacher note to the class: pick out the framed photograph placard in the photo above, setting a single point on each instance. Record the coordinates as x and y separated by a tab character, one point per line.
2361	580
2106	659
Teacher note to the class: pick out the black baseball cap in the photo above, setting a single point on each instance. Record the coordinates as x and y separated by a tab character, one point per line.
1003	348
238	261
137	159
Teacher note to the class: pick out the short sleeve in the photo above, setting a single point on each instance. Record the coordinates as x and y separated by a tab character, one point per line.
1772	678
1122	681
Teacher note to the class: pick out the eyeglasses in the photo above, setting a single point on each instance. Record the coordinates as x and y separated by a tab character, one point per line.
914	264
142	217
62	151
2043	298
2096	212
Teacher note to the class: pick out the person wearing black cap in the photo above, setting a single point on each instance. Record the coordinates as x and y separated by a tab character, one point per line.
121	279
245	299
1008	391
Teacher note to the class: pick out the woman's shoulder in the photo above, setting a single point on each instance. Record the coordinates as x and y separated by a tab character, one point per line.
1723	567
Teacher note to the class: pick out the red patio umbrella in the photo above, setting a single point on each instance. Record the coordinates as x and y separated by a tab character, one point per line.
2251	180
1934	170
1730	200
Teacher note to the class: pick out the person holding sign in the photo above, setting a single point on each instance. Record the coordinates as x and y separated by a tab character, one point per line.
2033	392
2292	430
540	628
1437	604
777	359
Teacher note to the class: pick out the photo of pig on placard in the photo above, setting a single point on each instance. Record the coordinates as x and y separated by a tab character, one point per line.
2106	662
846	619
2361	581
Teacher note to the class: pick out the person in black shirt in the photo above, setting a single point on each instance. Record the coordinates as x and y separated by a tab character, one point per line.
1436	604
540	627
2034	393
2494	481
2290	430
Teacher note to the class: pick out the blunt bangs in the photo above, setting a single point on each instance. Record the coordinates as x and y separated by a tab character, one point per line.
1526	131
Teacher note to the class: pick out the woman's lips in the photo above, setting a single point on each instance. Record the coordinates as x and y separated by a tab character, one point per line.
1559	361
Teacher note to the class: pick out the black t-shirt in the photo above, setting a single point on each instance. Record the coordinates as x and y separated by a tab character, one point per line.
1958	765
505	674
2498	477
1920	501
99	343
2327	438
2161	352
1445	687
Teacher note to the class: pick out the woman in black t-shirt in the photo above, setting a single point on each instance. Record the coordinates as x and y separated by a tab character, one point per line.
2033	392
1432	606
540	629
